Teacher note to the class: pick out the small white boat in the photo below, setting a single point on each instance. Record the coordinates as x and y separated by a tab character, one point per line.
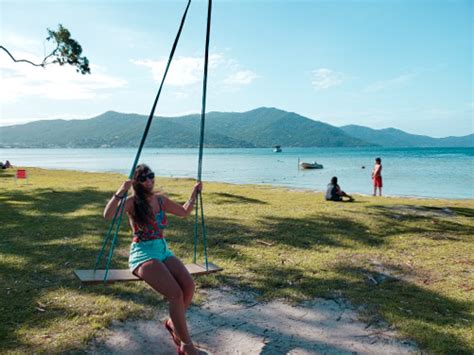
312	165
277	149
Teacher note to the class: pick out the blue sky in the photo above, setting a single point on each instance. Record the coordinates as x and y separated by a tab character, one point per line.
403	64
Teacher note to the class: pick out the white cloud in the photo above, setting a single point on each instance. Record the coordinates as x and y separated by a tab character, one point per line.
389	83
53	82
188	71
184	71
324	78
241	77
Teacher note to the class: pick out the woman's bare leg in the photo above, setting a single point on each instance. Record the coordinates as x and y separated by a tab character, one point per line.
183	277
157	275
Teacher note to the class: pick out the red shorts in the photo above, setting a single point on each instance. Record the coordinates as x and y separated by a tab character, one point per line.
377	181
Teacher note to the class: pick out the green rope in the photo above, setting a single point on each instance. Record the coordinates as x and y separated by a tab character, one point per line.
200	208
196	225
114	240
106	240
201	143
120	208
117	219
204	233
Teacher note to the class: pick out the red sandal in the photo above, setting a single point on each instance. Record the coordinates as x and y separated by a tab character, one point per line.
176	339
181	351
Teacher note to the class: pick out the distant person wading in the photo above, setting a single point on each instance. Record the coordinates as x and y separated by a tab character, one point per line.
377	176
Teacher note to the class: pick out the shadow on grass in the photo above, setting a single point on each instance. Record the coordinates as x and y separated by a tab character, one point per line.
463	211
225	234
418	212
42	241
44	237
429	222
47	233
7	174
220	198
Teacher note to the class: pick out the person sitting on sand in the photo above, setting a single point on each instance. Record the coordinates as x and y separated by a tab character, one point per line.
150	259
7	165
334	192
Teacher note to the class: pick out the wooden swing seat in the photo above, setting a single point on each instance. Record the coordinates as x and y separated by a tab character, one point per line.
116	275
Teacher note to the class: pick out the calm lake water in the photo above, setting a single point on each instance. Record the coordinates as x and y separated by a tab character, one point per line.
426	172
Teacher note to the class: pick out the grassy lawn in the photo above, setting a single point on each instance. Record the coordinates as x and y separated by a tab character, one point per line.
406	261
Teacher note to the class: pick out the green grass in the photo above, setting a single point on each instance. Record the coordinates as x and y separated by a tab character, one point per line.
406	261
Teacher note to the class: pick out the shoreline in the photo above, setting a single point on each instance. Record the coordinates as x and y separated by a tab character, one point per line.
263	184
413	173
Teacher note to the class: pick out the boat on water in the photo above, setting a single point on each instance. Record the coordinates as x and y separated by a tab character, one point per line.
312	165
277	149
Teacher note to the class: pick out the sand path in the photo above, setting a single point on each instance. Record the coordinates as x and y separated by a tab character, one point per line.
231	322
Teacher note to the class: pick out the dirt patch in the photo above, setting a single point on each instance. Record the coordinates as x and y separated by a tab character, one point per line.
232	322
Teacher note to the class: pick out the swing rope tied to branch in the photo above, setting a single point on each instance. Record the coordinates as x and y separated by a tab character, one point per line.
122	275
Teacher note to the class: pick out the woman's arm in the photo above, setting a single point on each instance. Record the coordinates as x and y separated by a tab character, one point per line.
114	202
182	210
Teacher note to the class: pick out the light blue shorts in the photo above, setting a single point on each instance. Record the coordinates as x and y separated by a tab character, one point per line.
148	250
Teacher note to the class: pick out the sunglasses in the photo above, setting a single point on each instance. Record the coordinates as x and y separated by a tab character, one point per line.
143	178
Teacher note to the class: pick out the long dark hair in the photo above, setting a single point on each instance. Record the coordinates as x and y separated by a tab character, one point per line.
142	211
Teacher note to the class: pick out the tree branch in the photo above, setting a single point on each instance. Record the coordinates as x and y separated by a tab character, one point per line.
68	51
50	55
23	60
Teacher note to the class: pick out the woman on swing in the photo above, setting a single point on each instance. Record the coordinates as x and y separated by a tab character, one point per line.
150	259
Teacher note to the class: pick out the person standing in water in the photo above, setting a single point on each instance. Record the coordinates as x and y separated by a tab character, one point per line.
377	176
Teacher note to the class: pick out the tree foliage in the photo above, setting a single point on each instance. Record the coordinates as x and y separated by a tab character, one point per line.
67	51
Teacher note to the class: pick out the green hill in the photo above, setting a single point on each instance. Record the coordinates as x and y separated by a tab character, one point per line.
391	137
263	127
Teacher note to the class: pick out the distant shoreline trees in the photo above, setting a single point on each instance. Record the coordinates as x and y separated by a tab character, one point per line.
67	51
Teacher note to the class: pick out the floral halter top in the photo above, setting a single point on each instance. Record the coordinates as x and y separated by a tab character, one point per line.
154	228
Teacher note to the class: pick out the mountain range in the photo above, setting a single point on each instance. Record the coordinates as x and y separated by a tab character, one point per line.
262	127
